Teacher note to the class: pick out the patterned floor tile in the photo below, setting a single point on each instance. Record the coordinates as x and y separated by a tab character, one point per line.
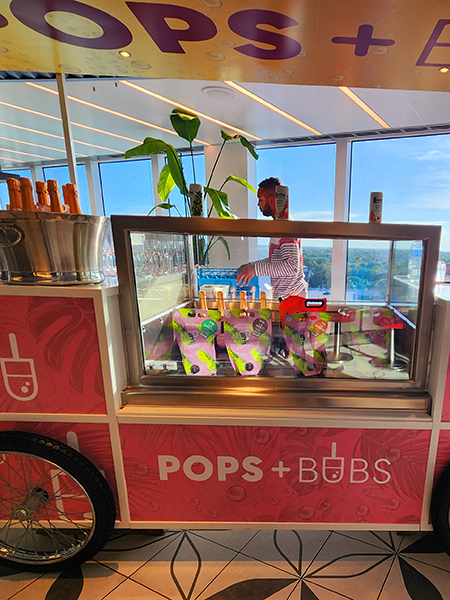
185	568
127	553
130	590
12	581
91	581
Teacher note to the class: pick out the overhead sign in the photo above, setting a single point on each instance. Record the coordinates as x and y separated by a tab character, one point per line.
399	44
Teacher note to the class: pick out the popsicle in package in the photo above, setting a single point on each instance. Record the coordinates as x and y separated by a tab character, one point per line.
195	330
248	335
306	335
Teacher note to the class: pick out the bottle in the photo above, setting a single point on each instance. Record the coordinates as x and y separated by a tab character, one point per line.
15	194
70	194
221	307
55	200
203	304
415	262
376	207
43	199
263	299
27	194
243	300
281	202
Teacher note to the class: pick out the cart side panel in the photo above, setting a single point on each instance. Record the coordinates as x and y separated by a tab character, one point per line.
274	474
92	440
446	402
49	356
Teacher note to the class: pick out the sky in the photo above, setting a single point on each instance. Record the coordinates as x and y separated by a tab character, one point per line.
413	174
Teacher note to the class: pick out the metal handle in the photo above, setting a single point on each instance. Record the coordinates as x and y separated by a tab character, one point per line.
6	228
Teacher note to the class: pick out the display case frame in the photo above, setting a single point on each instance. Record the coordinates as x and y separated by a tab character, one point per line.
290	393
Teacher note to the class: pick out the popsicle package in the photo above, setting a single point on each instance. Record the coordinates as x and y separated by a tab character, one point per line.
306	335
248	336
195	330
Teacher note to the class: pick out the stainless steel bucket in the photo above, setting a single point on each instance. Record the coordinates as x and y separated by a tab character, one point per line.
50	248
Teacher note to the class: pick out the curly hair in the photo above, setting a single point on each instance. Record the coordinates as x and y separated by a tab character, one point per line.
269	183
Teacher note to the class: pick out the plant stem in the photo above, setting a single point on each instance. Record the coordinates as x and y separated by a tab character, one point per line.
187	207
193	165
216	161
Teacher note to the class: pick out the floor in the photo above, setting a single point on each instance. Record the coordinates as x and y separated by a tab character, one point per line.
248	565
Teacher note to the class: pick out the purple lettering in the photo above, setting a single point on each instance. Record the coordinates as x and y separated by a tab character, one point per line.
32	14
245	23
153	18
432	43
3	21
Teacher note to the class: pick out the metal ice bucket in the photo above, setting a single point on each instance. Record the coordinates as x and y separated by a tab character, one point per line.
50	248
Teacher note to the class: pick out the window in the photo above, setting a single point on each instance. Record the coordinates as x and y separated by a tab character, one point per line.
62	176
4	196
309	171
127	187
413	175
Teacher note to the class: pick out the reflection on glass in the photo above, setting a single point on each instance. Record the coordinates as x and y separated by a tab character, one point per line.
159	262
367	270
405	277
365	337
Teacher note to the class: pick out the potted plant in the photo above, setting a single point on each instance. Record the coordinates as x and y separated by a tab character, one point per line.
186	125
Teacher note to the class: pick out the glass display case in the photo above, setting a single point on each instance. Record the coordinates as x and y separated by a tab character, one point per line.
194	336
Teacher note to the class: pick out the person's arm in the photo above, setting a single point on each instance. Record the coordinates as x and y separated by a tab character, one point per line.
284	267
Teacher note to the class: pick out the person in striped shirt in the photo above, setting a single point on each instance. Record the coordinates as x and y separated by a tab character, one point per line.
284	265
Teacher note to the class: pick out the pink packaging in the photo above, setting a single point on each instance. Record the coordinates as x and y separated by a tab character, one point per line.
306	335
195	330
248	336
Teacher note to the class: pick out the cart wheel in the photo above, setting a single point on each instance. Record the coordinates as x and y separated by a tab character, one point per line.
56	509
440	509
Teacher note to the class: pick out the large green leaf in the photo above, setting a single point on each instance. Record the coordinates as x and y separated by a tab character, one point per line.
220	202
150	146
166	183
186	124
154	146
176	170
244	141
241	181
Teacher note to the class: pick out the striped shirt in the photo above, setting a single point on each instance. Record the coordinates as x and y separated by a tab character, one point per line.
284	266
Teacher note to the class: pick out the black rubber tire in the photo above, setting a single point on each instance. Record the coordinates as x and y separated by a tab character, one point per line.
86	475
440	509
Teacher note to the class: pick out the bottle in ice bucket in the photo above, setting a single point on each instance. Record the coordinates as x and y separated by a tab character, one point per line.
376	207
281	202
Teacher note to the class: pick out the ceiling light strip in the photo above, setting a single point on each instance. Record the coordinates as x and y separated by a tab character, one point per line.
271	106
30	144
11	159
198	113
111	112
28	110
59	137
121	137
25	153
364	107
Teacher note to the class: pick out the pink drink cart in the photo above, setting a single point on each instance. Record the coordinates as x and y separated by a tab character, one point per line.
132	406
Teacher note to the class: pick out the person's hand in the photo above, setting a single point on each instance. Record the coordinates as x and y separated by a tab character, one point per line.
244	274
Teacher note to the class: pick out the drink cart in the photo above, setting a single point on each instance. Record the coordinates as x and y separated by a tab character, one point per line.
140	406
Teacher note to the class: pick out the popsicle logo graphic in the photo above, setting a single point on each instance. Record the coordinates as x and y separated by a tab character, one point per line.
19	374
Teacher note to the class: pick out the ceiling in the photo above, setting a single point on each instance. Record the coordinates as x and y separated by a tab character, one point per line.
108	116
